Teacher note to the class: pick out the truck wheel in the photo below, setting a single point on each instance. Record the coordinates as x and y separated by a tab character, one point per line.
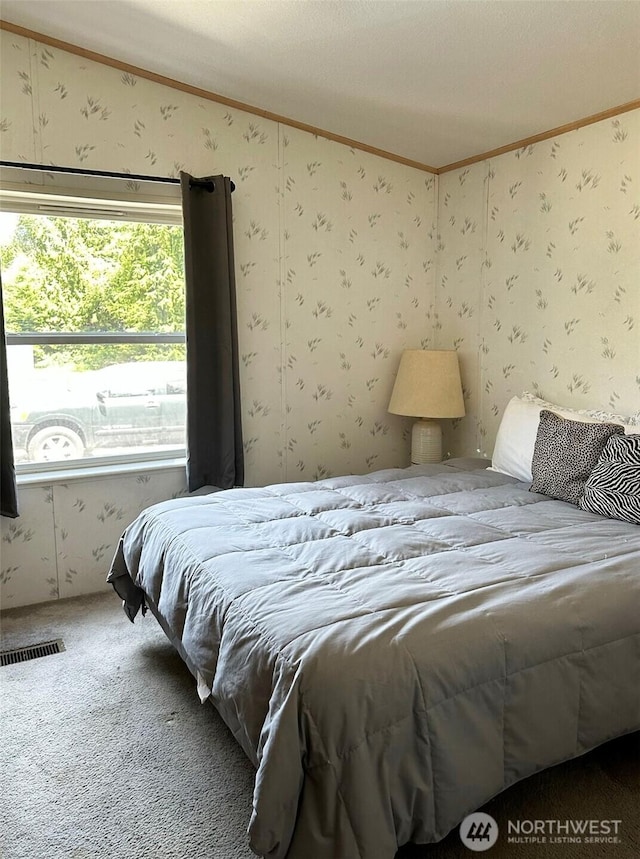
54	443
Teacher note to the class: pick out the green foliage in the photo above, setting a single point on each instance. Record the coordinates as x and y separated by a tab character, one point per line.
80	275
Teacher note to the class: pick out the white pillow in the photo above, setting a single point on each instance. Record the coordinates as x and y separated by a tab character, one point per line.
596	415
518	428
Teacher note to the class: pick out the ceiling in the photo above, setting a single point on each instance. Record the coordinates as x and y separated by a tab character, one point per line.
434	81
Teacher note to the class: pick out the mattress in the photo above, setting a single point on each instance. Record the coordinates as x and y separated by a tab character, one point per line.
392	650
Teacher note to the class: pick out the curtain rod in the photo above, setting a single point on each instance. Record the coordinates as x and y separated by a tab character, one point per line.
78	171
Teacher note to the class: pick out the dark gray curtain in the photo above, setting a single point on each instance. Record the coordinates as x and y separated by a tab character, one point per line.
214	432
8	490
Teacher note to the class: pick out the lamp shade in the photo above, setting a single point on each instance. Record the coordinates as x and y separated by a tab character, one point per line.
428	385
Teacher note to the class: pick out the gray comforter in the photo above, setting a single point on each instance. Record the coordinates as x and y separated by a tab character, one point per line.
392	650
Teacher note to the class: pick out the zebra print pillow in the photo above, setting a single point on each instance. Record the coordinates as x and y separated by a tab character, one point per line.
613	488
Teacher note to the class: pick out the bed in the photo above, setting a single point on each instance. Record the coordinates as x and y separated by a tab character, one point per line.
393	649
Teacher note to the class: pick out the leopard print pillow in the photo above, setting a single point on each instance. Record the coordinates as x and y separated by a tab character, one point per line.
565	454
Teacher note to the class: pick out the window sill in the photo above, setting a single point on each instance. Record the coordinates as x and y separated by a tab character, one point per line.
98	471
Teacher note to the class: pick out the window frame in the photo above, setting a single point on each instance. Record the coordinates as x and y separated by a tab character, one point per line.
103	199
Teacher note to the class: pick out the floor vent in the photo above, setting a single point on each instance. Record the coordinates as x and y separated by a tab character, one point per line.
35	651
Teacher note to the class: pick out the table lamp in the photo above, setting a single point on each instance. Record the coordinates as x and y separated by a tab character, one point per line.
427	386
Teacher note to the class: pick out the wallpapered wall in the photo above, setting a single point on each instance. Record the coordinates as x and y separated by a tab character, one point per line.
335	271
538	283
528	264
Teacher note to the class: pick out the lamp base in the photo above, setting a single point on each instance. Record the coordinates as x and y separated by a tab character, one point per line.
426	442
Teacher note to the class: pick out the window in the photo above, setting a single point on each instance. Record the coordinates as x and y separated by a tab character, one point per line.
94	314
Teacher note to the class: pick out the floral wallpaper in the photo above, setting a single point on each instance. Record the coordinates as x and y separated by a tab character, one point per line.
539	274
528	264
358	275
62	543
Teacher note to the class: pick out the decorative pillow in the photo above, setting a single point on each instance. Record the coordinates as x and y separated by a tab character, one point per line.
517	432
613	488
566	453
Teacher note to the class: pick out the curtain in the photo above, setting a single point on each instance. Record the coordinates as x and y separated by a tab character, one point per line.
214	431
8	489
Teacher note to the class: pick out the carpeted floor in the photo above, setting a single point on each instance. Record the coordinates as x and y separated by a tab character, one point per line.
106	753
